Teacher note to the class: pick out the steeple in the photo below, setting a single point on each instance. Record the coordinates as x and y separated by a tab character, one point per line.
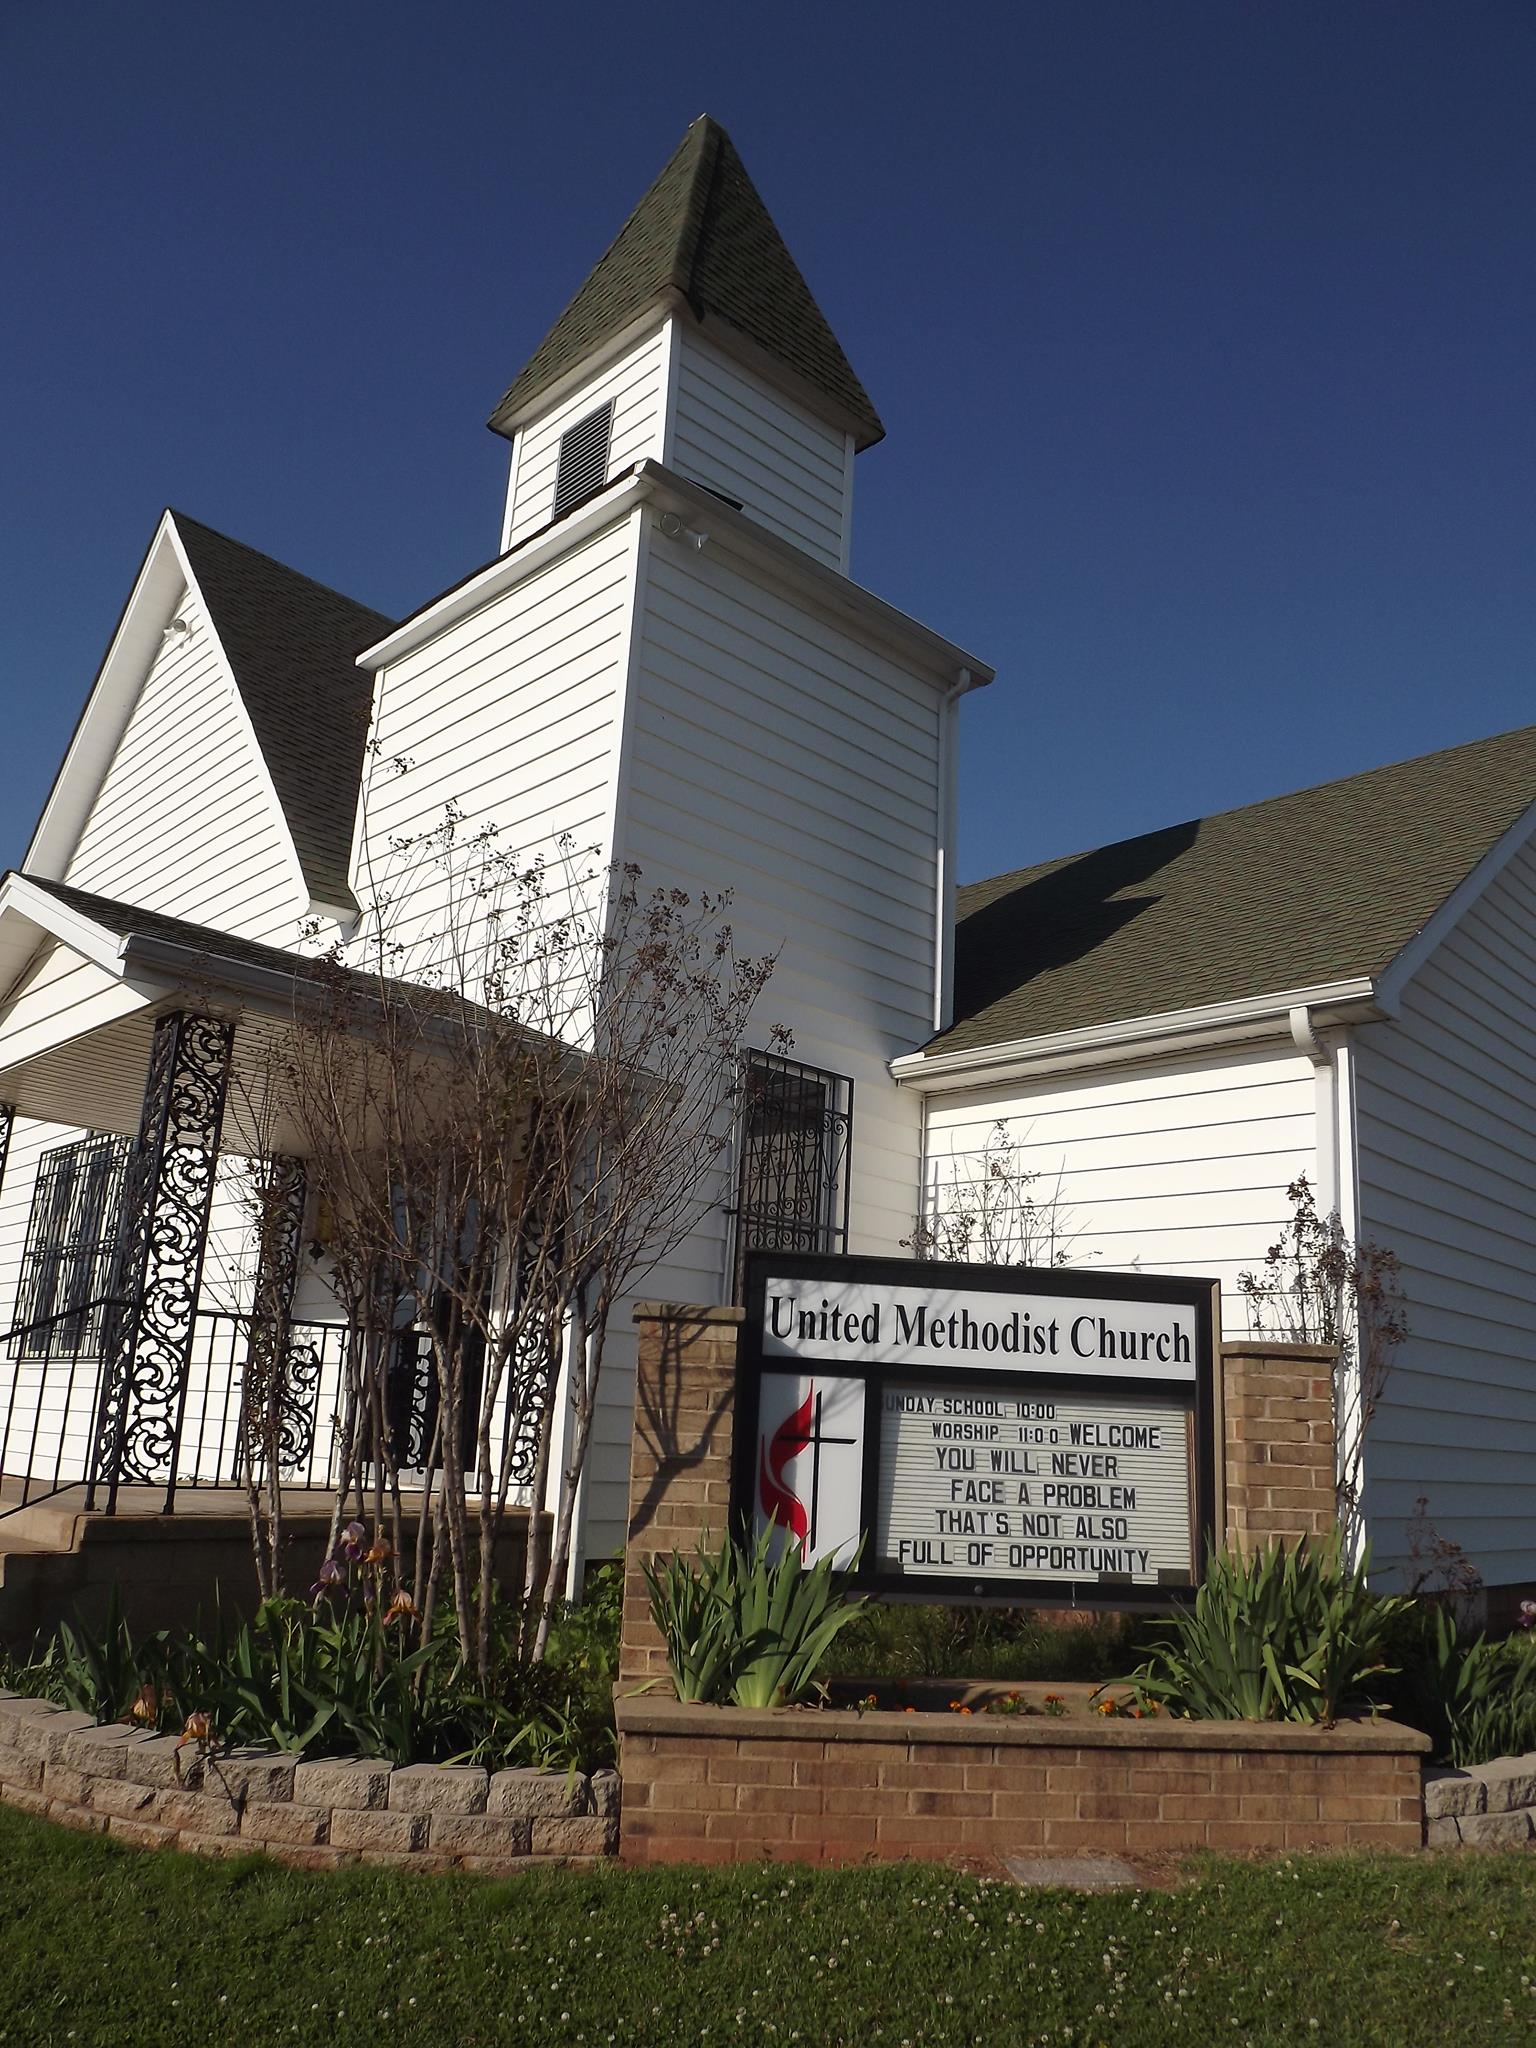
702	241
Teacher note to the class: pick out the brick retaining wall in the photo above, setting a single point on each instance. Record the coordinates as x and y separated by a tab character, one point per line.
725	1784
157	1792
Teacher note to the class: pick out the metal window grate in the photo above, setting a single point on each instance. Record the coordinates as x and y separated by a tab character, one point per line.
67	1263
794	1133
583	464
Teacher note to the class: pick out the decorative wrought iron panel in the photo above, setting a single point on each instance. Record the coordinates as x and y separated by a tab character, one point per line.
793	1134
168	1191
71	1245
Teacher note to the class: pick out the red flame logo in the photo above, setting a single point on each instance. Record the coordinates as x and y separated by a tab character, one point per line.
778	1502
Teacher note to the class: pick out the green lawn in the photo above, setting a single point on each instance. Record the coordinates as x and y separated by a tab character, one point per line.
102	1945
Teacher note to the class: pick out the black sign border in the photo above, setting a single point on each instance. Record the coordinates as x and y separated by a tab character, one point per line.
1201	1295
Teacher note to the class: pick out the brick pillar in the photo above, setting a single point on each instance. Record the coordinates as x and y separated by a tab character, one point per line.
1278	1406
680	1456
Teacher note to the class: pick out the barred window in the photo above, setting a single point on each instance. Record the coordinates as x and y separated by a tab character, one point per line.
794	1131
66	1266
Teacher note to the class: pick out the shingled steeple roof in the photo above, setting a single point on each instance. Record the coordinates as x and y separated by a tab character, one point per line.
701	231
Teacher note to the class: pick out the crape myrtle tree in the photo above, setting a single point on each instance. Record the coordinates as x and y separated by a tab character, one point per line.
511	1093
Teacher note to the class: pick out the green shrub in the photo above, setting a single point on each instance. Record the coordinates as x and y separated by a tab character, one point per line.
337	1677
1280	1635
741	1627
1473	1696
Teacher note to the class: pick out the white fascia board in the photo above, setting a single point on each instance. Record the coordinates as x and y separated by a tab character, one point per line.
135	641
1401	970
296	876
650	482
22	903
505	573
617	344
1138	1038
829	589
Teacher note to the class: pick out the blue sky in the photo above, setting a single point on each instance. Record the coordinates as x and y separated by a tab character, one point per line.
1202	330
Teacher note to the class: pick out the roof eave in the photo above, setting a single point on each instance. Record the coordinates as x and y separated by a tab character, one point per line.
650	482
1168	1033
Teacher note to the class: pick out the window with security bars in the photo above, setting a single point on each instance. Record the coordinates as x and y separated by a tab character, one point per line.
794	1131
66	1266
583	464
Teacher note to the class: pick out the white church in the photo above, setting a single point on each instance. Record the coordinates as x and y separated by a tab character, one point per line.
668	660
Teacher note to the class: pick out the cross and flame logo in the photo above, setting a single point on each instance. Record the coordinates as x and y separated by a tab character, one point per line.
780	1503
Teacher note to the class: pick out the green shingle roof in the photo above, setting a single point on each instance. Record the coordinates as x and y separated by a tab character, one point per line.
1323	885
701	230
293	646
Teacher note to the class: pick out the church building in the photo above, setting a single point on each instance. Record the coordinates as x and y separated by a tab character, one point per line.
667	661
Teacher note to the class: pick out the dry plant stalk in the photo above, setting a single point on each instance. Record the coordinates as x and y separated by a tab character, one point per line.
1316	1287
989	1213
509	1114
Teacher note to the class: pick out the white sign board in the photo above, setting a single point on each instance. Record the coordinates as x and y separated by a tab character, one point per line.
950	1325
980	1432
1017	1486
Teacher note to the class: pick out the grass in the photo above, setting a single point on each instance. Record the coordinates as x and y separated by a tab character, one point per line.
104	1945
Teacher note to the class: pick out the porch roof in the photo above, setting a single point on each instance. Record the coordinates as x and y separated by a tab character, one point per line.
74	1044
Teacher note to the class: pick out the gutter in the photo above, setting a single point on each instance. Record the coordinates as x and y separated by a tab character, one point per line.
1141	1038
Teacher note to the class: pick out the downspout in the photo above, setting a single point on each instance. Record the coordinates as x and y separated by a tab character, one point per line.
944	852
1338	1194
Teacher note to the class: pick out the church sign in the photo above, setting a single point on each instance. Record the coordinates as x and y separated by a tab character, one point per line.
991	1432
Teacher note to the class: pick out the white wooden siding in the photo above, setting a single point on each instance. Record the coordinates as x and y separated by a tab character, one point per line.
738	434
1179	1168
634	381
1447	1159
510	715
185	821
774	755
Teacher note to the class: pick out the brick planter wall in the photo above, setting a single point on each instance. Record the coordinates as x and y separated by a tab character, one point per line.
158	1793
1277	1403
725	1784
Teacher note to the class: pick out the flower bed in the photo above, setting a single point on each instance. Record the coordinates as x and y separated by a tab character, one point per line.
729	1784
161	1792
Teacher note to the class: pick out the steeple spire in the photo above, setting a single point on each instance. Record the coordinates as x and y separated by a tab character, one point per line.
701	237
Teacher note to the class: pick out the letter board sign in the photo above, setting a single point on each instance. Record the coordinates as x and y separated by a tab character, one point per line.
992	1432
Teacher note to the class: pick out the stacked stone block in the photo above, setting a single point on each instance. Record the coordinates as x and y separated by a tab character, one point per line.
158	1792
1488	1806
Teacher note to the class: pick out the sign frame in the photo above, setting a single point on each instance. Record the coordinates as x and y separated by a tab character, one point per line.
1197	1393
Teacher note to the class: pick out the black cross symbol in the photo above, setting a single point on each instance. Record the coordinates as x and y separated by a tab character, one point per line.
812	1440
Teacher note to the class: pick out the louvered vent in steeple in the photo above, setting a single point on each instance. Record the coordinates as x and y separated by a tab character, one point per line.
583	464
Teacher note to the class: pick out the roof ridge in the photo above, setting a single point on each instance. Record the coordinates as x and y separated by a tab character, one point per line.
217	533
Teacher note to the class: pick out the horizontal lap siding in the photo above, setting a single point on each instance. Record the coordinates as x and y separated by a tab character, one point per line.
738	435
775	756
1179	1168
1447	1121
634	382
509	715
185	821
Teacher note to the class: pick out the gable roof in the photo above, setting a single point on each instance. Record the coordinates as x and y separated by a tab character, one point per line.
1296	892
701	230
292	644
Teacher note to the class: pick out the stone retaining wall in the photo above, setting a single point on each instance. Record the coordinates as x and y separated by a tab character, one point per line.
725	1784
158	1792
1489	1806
